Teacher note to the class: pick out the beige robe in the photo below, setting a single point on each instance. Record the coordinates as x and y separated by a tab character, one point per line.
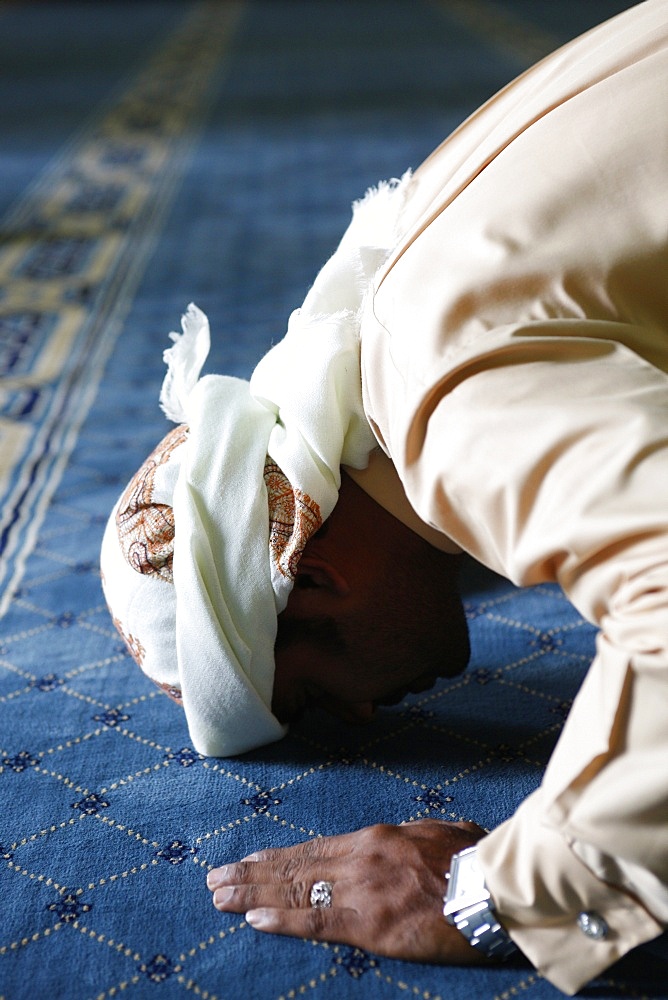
514	360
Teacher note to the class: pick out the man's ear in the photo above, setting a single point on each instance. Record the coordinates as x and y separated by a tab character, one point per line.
318	572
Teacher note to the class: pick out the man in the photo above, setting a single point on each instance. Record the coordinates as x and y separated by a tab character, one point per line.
507	310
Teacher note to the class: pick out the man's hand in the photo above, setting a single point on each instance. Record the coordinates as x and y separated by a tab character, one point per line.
387	897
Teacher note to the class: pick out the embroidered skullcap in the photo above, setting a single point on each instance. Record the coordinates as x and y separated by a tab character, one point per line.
200	553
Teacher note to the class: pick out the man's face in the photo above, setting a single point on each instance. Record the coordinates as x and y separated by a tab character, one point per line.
396	645
306	677
374	614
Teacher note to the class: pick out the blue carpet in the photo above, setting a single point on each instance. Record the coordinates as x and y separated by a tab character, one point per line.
155	153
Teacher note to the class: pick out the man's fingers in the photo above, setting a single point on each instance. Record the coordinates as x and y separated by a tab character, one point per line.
284	864
317	847
240	898
283	871
339	925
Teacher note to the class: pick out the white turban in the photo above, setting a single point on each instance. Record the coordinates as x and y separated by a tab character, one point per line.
200	553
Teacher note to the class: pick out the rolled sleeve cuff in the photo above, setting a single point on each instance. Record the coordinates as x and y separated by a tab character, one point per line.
541	891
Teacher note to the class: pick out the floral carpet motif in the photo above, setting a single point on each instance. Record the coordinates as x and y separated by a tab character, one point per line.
155	153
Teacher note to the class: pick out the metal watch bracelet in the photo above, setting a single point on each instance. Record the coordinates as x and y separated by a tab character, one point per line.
483	931
468	906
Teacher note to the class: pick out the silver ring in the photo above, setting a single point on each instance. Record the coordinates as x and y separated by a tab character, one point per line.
321	895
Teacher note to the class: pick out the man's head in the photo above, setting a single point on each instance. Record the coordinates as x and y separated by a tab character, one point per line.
375	613
367	608
201	552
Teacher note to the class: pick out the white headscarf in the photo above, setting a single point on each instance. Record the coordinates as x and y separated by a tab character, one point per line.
200	552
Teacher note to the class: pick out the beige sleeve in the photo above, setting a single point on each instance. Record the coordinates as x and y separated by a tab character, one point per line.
546	457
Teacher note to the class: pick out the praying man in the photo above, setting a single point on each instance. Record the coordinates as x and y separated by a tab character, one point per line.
481	367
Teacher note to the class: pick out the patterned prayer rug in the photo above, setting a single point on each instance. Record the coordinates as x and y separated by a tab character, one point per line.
155	153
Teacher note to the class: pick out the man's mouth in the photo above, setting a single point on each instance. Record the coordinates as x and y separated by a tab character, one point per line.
417	687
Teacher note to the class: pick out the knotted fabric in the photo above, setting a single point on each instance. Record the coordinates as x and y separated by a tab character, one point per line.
201	551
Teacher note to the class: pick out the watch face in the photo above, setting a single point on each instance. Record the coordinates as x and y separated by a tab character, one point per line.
470	871
466	883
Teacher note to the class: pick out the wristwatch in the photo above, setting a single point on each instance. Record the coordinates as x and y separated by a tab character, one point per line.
469	907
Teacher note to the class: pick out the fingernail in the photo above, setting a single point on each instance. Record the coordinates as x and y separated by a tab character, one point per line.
216	877
221	896
250	857
258	918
